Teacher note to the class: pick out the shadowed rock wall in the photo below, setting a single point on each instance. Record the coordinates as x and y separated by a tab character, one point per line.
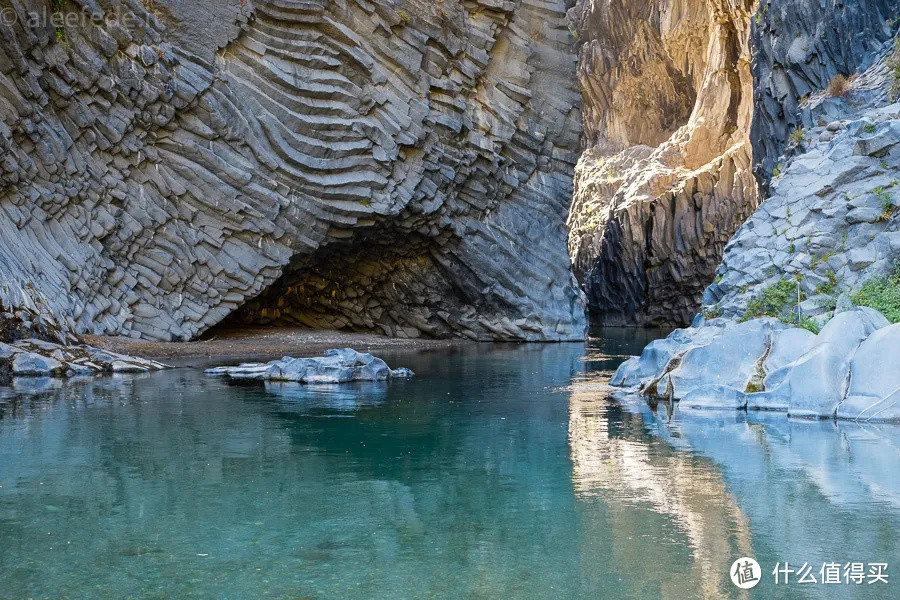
798	47
403	167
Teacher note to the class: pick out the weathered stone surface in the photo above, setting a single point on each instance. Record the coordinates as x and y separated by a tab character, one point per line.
667	180
403	167
798	47
29	363
844	372
658	354
675	95
336	366
831	223
875	386
729	360
40	358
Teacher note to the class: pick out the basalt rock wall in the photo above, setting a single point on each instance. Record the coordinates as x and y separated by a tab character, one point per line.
798	47
667	179
397	166
689	106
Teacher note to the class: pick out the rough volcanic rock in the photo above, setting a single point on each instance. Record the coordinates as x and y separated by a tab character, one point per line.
798	47
336	366
667	95
401	166
762	364
831	223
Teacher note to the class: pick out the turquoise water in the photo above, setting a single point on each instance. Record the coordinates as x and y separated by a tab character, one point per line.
499	472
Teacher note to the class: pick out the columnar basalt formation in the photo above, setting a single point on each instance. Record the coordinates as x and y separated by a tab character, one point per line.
798	47
831	223
668	100
398	166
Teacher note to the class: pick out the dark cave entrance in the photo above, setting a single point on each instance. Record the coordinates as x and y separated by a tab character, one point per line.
383	282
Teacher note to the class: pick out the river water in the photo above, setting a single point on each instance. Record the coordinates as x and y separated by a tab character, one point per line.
498	472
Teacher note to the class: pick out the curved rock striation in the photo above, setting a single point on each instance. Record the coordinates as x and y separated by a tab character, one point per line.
397	166
668	101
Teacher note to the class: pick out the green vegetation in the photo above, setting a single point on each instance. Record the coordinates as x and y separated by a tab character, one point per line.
777	170
404	17
869	128
887	204
773	300
882	294
893	64
798	136
712	312
58	6
808	324
781	300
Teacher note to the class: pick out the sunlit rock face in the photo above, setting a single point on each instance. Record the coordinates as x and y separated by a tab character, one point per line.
403	167
667	177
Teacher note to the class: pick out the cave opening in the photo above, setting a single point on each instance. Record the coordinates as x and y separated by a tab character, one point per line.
384	282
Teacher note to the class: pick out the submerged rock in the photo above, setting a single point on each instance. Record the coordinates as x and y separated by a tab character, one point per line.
336	366
847	371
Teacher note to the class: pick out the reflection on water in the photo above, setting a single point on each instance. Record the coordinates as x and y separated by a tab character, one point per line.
499	472
618	462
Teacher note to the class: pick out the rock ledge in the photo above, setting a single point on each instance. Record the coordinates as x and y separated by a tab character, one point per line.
40	358
847	371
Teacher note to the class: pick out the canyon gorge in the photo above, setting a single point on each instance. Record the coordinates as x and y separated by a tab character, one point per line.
493	170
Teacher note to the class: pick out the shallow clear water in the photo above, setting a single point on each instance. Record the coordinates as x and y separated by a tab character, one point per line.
499	472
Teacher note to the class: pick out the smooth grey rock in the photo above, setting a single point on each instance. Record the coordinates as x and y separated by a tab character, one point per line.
787	346
122	366
874	392
849	328
814	385
730	360
847	371
374	370
35	365
844	303
714	396
637	371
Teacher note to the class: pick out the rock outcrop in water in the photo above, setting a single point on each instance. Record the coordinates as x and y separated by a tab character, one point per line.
847	371
399	166
39	358
336	366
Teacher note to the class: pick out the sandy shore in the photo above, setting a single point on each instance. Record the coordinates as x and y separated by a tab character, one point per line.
262	343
